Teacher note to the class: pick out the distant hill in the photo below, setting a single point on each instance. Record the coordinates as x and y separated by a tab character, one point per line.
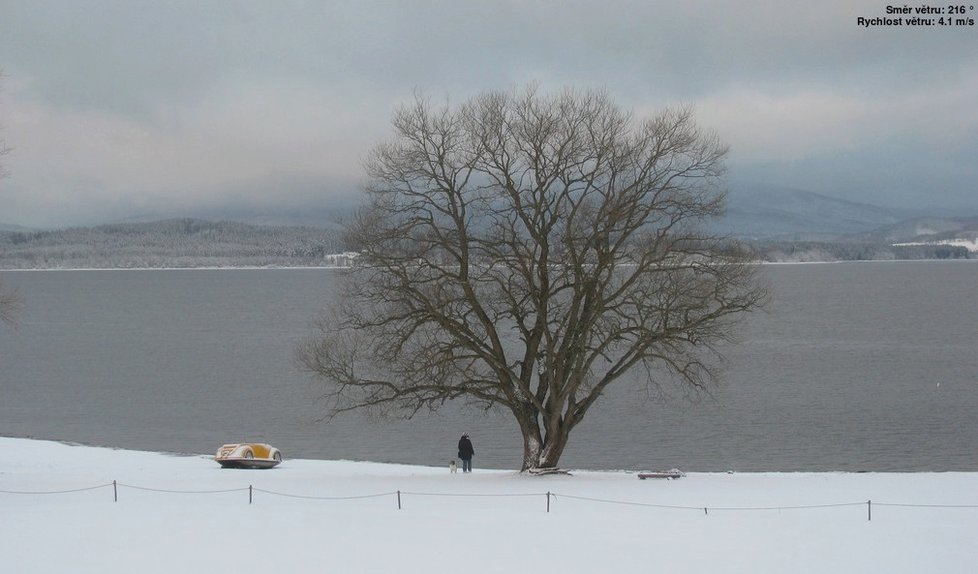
915	238
778	224
9	227
759	213
180	243
783	224
326	216
923	229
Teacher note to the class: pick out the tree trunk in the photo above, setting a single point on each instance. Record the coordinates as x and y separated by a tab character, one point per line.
539	451
553	448
528	419
531	452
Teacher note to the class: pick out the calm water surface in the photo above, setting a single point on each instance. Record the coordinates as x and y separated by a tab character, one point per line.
857	366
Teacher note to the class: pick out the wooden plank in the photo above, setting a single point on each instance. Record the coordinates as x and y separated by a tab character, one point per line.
665	474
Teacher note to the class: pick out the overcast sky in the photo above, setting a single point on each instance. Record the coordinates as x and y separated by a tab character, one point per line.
119	109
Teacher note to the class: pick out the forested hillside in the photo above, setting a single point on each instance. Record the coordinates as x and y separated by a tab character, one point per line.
172	243
915	238
787	251
187	243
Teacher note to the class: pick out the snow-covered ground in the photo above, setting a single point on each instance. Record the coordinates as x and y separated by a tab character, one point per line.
179	514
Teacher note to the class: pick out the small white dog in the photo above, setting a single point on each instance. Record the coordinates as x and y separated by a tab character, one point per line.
452	466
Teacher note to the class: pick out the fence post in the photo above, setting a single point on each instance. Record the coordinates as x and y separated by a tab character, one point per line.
548	502
398	499
250	493
115	491
869	510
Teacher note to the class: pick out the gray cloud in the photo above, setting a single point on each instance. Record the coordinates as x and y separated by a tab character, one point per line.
127	107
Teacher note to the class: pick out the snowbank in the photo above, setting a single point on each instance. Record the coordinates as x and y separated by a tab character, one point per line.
179	514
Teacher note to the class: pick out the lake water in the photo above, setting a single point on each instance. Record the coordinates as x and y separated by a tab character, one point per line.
856	366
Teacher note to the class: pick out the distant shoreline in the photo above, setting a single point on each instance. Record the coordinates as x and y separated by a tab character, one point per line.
340	267
229	268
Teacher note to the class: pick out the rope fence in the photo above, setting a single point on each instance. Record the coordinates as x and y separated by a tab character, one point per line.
38	492
400	494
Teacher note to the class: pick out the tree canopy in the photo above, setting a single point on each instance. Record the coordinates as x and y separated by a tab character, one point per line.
525	251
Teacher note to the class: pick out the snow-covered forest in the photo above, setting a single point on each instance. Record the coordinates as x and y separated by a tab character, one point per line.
181	243
188	243
787	251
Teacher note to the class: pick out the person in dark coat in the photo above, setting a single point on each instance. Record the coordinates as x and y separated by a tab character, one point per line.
465	452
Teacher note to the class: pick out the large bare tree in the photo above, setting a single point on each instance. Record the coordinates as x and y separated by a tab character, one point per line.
525	251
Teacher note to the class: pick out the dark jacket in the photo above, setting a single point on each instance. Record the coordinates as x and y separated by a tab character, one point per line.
465	450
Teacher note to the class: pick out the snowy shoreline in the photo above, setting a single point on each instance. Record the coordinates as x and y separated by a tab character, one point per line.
339	267
369	517
235	268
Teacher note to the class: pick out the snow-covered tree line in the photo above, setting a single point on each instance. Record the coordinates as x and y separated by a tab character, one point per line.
182	243
187	243
808	251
